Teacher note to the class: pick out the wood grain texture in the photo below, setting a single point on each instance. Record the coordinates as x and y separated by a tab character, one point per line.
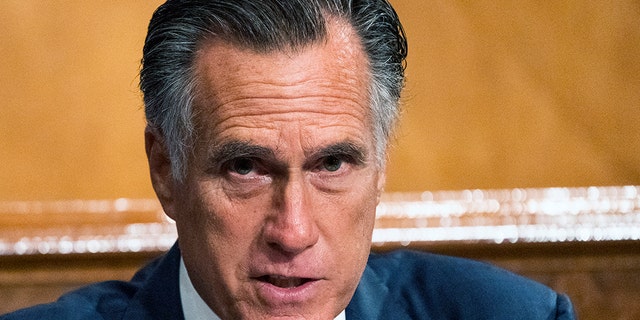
499	95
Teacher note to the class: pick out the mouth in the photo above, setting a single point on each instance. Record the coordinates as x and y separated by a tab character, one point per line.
279	291
284	282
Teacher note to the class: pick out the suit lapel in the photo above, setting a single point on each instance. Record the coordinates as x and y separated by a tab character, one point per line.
372	300
159	297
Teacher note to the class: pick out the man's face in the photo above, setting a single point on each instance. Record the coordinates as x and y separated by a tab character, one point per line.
277	209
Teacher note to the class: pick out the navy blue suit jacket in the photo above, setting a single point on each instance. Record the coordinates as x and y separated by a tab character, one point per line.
397	285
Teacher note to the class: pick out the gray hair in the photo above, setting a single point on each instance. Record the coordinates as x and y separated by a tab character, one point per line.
179	27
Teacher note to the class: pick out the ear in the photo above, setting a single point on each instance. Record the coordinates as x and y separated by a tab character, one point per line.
160	169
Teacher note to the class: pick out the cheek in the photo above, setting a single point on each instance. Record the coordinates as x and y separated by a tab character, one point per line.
351	239
217	237
366	218
208	219
353	219
230	223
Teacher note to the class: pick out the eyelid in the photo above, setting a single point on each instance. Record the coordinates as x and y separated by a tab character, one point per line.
229	165
223	155
342	157
348	152
262	167
345	159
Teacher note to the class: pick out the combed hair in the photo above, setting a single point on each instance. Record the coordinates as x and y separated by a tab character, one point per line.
179	27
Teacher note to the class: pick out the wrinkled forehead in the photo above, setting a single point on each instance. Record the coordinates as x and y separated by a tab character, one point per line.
336	65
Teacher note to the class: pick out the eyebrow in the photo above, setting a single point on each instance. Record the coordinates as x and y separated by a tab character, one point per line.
243	149
238	149
353	150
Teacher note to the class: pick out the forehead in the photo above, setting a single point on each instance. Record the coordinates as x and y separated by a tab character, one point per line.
336	69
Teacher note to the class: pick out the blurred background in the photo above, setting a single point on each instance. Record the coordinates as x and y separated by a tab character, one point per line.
499	95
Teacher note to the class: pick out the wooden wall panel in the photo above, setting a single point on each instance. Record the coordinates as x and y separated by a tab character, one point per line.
71	121
499	94
519	94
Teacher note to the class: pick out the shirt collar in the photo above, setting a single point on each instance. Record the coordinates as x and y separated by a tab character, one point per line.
193	307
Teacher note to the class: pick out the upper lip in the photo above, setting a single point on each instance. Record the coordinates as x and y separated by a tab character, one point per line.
285	274
287	278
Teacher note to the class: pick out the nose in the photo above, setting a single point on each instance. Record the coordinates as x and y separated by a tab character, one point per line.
291	228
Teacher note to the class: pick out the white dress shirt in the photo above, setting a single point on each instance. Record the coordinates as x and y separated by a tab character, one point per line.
194	308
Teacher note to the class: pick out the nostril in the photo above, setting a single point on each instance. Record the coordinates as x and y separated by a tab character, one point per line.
291	232
291	243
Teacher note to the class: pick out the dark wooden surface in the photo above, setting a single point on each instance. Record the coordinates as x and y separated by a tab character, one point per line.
602	278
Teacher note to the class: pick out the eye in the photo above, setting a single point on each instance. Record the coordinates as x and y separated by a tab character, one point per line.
332	163
242	166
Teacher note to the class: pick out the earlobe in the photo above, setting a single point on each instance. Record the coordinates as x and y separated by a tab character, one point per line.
160	168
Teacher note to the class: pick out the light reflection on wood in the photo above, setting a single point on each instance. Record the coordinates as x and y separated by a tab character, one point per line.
404	219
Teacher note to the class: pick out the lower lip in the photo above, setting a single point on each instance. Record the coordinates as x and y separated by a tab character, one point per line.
277	296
